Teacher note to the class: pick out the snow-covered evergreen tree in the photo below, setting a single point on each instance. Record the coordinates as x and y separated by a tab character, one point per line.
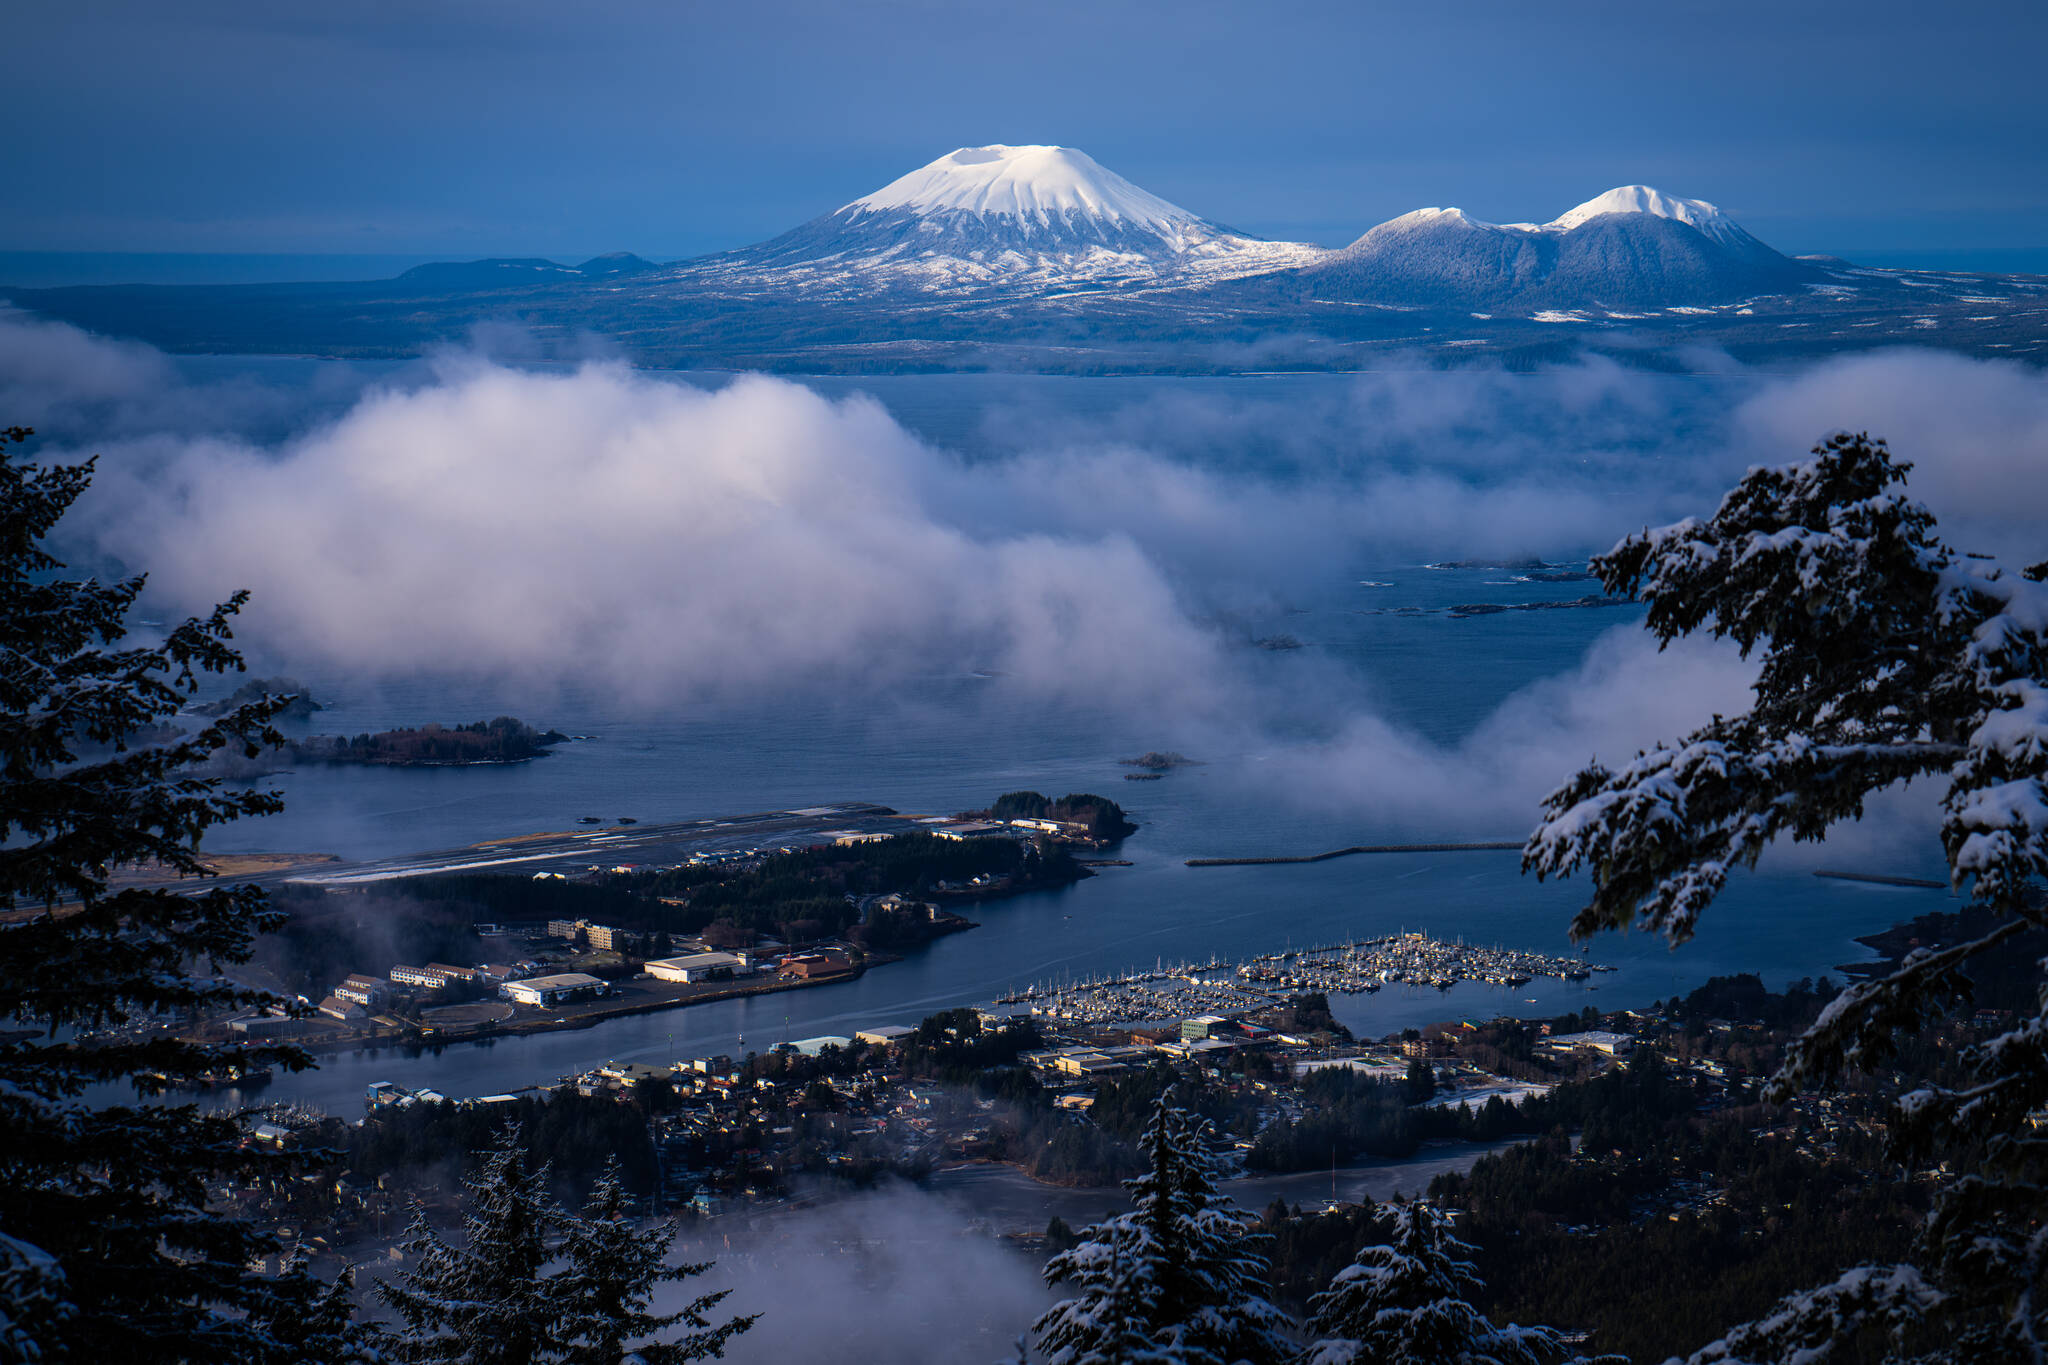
1885	656
110	1248
1181	1277
485	1302
613	1270
1406	1301
327	1329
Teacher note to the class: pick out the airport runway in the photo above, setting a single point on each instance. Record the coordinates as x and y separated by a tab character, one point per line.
607	846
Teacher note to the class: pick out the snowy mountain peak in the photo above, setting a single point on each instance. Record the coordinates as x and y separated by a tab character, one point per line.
1036	183
1694	213
1030	220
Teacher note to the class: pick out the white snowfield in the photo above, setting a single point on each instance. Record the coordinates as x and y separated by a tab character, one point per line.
1037	184
1694	213
1026	219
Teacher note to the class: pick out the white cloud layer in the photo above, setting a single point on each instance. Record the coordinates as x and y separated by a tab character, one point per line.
672	543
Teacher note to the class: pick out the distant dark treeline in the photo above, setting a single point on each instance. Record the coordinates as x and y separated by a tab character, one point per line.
577	1134
500	740
802	895
1104	818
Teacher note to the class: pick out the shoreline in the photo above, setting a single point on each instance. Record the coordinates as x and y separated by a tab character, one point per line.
583	1016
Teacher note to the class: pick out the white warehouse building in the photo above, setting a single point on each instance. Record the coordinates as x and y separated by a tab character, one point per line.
694	967
549	991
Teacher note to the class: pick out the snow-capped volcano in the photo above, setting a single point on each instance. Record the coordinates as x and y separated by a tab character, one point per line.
1631	247
1035	185
1002	218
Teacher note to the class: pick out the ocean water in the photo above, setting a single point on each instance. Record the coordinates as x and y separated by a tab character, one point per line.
950	741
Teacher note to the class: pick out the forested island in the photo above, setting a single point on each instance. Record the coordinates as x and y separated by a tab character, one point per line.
1100	817
500	740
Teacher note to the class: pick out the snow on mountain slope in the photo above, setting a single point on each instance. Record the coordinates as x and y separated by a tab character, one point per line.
1631	247
1694	213
1004	219
1032	184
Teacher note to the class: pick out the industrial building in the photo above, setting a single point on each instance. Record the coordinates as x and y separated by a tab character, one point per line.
810	966
550	991
972	829
695	967
888	1035
1596	1040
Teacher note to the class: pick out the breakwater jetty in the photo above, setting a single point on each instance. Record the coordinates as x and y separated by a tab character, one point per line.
1883	880
1491	847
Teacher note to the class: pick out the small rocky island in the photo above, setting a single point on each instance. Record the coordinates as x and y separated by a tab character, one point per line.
300	707
1153	760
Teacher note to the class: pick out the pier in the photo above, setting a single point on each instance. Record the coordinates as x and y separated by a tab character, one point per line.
1498	846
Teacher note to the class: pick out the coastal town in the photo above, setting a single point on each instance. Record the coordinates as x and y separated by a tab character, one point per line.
732	1145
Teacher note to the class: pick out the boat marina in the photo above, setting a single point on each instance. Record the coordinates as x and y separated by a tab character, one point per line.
1184	990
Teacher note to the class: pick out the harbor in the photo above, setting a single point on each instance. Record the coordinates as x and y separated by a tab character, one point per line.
1353	967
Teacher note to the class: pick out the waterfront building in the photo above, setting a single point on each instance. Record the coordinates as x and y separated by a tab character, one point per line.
695	967
811	966
972	829
887	1035
550	991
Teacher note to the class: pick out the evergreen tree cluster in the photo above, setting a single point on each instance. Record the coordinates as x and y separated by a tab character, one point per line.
110	1248
1884	656
115	1242
1183	1279
494	1300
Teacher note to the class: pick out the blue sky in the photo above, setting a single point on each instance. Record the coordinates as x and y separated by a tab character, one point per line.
1907	132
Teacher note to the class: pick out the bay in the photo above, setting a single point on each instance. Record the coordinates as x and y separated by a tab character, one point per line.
953	740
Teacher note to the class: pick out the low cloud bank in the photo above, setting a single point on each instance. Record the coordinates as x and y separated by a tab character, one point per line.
889	1276
676	544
